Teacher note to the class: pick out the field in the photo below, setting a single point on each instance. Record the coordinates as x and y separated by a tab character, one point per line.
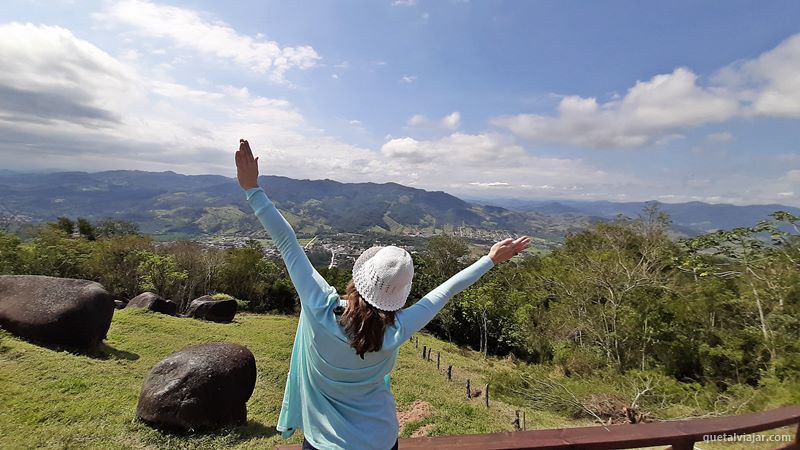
57	399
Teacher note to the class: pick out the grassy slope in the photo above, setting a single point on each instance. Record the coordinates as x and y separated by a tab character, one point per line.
55	399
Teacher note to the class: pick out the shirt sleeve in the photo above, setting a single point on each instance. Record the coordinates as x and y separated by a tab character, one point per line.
311	287
416	316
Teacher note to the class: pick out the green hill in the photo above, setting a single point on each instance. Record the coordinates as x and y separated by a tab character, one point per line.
56	399
174	205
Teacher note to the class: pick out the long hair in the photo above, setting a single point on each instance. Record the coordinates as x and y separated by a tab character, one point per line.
363	323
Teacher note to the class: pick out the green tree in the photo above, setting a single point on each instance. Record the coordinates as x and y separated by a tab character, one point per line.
86	229
611	282
443	257
65	224
113	227
11	261
54	253
115	263
160	274
264	284
764	259
202	265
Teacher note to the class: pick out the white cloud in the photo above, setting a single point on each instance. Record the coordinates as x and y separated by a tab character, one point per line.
769	84
494	184
478	164
668	103
464	148
448	122
649	110
451	120
404	2
66	104
723	136
792	176
49	75
408	78
187	29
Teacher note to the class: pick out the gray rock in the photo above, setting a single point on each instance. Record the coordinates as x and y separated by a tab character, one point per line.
119	304
207	308
153	302
201	387
55	311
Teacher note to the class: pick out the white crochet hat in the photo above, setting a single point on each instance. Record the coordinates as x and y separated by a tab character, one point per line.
382	275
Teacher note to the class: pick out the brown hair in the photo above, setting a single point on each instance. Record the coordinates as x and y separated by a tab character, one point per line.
363	323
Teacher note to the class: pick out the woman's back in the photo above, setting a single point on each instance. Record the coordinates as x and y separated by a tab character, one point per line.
341	399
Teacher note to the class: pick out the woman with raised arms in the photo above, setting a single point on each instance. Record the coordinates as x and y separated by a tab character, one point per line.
337	390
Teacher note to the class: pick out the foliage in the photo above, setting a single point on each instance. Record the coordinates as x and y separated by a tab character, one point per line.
720	309
112	227
64	224
86	229
160	274
55	253
115	263
10	255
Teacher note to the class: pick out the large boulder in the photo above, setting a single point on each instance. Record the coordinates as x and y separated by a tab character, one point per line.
207	308
201	387
153	302
55	311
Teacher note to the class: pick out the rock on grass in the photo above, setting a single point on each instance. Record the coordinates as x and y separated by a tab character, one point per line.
207	308
153	302
55	311
202	387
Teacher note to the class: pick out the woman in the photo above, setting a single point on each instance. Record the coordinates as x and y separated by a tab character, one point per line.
337	389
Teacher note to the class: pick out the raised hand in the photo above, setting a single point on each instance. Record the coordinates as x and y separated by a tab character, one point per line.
506	249
246	166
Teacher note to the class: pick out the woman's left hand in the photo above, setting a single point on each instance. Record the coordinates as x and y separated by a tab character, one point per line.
506	249
246	166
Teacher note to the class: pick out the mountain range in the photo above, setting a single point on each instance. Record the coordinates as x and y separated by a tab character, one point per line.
187	206
178	206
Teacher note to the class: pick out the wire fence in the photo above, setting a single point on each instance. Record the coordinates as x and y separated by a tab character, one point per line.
453	374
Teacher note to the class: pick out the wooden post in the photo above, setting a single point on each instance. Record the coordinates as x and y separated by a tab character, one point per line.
683	445
523	420
430	350
438	354
517	422
487	395
797	434
416	342
424	349
450	372
469	392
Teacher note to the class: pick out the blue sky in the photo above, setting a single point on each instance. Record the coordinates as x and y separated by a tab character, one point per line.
614	100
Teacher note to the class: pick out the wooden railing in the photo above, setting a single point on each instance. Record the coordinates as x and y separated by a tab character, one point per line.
681	435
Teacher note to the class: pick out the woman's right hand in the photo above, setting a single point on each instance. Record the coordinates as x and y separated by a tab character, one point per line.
506	249
246	166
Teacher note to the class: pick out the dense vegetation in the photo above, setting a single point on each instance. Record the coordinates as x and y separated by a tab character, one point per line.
700	326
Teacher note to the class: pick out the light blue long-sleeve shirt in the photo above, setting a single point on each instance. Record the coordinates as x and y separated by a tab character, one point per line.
340	400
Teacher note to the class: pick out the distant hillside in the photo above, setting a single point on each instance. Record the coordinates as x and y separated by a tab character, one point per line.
689	218
171	204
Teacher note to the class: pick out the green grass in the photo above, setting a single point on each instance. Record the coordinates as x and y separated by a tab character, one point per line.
57	399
